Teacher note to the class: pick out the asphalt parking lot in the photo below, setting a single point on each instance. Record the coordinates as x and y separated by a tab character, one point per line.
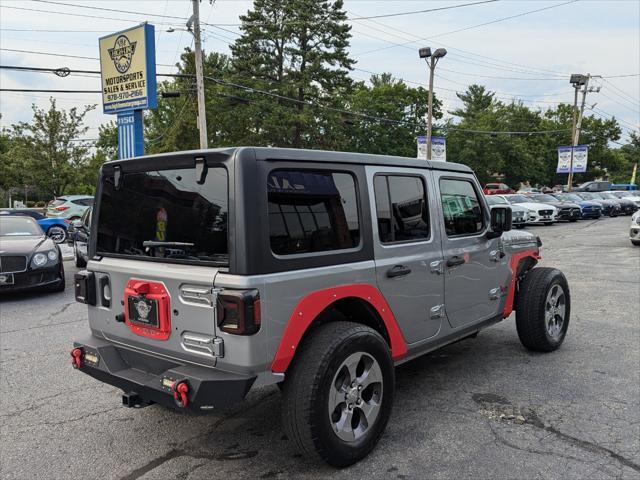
482	408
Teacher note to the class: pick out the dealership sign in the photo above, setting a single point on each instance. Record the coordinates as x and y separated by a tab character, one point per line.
438	148
128	69
580	155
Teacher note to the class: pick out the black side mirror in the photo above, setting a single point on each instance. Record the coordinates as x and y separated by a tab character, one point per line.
500	221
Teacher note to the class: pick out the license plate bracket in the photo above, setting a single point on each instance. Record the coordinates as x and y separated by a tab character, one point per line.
6	279
143	311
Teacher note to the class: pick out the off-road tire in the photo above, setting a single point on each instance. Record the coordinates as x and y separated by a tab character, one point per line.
306	389
530	309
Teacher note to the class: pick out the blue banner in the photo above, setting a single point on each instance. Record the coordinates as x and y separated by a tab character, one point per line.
130	134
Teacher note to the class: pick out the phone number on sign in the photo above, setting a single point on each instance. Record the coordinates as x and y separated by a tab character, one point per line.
125	95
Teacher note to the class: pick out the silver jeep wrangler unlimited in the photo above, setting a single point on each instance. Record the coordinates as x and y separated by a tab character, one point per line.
215	272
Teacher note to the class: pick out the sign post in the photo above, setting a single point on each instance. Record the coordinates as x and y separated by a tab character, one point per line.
128	73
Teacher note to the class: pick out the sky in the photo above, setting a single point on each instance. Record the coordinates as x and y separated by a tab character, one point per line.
528	57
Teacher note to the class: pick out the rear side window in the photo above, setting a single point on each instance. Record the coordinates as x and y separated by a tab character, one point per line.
312	211
461	208
401	208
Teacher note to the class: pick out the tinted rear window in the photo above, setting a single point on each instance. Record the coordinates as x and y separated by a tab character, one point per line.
187	221
312	211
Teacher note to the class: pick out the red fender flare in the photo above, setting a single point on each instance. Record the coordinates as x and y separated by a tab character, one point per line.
513	264
310	307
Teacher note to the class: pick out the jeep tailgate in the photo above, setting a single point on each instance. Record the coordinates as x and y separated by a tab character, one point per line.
184	307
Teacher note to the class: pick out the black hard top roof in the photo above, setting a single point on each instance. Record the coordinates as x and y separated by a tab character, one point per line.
274	153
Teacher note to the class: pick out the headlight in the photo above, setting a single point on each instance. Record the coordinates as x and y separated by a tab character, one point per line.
52	255
39	259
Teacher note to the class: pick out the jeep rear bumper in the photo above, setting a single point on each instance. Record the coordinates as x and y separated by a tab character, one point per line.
151	379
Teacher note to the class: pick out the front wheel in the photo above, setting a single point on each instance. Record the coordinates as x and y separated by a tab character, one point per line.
338	393
57	234
543	309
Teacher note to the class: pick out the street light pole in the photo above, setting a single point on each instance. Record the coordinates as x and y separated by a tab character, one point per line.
577	81
432	60
576	87
432	68
202	114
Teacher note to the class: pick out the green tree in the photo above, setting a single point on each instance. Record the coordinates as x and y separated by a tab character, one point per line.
476	99
46	151
296	49
404	107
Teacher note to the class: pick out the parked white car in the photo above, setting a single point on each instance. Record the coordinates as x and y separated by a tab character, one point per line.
539	213
634	231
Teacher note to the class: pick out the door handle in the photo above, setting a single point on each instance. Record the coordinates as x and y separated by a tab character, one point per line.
455	261
398	271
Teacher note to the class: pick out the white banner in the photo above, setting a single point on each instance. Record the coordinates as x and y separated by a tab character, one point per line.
438	148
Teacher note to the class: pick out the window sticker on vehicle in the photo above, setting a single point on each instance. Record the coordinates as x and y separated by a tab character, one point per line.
161	225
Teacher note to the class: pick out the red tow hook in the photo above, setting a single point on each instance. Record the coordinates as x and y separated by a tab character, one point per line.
76	358
180	391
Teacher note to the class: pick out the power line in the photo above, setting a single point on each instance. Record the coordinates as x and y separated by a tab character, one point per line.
130	12
405	36
471	27
634	110
78	15
51	54
622	76
34	90
44	30
398	14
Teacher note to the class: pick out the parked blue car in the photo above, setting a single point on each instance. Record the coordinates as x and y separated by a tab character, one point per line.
54	228
589	209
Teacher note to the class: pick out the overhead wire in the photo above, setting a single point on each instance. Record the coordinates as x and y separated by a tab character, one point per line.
502	19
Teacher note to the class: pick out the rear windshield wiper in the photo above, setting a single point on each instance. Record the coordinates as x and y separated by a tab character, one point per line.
154	243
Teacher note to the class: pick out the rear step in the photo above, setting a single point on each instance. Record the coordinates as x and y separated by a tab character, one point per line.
133	400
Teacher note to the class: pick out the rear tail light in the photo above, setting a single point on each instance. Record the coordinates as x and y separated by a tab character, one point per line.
239	311
85	287
62	208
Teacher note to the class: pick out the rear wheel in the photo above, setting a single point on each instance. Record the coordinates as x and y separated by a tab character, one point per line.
543	309
338	393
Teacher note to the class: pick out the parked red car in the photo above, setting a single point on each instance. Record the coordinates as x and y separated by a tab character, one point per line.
497	189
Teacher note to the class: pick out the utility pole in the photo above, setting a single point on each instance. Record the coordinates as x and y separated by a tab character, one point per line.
577	124
432	60
202	114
